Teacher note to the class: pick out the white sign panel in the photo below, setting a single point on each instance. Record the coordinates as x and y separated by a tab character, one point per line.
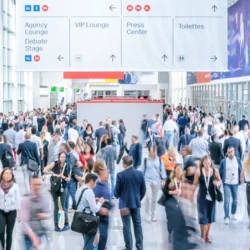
126	35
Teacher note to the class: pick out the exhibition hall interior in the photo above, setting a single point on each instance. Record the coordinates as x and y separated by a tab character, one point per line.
124	125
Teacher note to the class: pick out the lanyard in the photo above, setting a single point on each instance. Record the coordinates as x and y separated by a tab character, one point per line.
177	188
207	180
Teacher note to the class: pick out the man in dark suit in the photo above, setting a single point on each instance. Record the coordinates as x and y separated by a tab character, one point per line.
182	122
101	131
130	189
235	143
28	149
243	122
232	121
215	149
184	139
135	151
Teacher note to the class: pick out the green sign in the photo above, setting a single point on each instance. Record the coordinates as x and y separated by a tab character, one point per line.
61	89
53	89
77	90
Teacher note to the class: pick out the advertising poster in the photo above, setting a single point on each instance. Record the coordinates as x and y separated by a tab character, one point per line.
238	41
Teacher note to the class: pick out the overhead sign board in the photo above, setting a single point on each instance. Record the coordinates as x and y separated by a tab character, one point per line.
127	35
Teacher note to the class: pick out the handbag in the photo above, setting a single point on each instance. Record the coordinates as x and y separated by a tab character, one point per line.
218	194
32	164
56	182
84	223
162	200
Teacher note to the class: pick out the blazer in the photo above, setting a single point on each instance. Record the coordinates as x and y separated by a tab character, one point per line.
135	151
235	143
222	169
184	141
31	148
130	188
216	152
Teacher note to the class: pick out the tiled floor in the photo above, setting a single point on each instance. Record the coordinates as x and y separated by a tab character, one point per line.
236	236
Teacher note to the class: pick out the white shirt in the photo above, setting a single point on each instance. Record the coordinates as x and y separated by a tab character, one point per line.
10	201
73	135
240	136
20	137
38	142
232	177
218	129
170	126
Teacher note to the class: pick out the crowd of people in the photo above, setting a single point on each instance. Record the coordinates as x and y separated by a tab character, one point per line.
81	166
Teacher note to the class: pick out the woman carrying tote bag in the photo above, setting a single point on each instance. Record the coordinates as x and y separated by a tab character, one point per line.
88	204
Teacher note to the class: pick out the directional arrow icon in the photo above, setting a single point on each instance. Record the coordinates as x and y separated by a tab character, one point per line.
214	8
164	57
214	58
113	58
112	7
60	58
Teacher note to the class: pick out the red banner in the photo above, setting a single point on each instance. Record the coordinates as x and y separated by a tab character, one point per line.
93	75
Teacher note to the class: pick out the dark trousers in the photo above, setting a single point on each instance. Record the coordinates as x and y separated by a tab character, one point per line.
62	196
7	222
71	192
43	164
248	199
103	230
126	221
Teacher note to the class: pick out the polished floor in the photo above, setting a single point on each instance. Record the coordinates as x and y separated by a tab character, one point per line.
235	236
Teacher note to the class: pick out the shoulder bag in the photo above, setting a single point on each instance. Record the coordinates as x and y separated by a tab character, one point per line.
217	191
84	223
56	182
32	164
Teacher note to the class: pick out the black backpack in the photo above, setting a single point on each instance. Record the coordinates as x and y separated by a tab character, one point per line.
7	159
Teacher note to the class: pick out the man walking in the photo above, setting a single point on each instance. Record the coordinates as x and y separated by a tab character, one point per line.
109	156
130	189
216	152
199	146
230	170
135	151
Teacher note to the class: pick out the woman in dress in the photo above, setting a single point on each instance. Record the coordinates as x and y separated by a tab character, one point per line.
208	178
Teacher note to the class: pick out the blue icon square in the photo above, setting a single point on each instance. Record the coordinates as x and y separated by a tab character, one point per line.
36	7
28	58
27	8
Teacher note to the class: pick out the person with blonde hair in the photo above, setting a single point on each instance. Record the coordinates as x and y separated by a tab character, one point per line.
245	176
208	178
102	189
169	159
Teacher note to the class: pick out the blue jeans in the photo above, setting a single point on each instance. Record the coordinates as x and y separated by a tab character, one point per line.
170	137
228	190
88	242
28	242
112	177
126	221
71	191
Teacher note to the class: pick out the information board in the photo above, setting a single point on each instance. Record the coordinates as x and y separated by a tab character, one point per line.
124	35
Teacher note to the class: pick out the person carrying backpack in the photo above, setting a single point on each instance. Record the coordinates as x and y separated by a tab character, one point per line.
154	174
6	155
